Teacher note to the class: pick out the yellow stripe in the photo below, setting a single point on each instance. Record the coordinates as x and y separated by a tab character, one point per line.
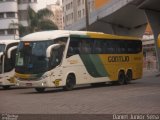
109	36
22	75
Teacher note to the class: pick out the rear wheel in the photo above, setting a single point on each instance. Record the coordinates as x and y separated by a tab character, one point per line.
6	87
121	78
70	82
128	76
40	90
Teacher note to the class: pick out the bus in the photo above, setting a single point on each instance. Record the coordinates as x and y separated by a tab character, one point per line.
62	58
7	62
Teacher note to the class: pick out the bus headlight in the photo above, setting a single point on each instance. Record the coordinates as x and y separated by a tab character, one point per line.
43	84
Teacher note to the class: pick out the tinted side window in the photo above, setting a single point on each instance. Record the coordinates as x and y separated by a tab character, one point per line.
103	46
74	47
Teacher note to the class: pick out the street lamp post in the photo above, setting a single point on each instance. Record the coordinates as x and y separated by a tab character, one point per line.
87	15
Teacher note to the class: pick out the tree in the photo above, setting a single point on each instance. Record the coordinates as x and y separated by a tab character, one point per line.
39	21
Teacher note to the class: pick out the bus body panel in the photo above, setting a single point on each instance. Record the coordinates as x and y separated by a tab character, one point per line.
7	78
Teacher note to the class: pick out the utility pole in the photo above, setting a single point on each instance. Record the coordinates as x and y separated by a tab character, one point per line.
87	15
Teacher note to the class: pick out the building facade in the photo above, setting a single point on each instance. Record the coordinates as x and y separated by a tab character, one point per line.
15	12
58	14
74	10
8	19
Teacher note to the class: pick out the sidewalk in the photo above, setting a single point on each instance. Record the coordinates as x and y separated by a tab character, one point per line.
150	72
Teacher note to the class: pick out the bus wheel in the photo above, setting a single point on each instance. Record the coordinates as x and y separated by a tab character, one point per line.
6	87
121	78
70	82
40	90
128	76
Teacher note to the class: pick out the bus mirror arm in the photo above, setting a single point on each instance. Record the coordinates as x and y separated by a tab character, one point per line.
10	50
48	51
1	54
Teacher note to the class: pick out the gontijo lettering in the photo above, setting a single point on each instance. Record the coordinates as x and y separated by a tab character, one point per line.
118	59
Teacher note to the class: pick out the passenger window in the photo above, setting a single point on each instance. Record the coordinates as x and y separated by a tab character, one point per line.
74	47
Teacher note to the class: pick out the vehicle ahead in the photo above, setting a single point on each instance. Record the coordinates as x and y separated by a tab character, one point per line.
7	62
68	58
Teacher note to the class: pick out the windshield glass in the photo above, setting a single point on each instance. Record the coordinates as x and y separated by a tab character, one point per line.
2	47
31	57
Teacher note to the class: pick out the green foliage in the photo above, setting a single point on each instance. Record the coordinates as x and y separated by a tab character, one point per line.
38	22
46	25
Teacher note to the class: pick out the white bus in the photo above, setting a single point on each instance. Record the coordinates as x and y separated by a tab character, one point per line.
68	58
7	62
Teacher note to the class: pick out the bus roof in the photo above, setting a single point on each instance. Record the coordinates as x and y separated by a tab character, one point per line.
6	42
53	34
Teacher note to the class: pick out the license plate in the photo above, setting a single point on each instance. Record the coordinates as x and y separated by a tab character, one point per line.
29	84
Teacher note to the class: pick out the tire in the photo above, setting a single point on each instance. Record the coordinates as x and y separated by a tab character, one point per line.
6	87
128	76
40	90
70	83
121	78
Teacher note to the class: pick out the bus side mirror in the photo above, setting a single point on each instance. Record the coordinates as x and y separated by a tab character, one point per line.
10	51
48	51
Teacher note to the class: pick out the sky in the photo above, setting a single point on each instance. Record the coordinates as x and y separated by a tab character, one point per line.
42	3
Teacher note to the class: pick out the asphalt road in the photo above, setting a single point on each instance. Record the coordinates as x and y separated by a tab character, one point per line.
141	96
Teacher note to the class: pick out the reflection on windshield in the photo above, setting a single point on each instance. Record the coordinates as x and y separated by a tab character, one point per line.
2	47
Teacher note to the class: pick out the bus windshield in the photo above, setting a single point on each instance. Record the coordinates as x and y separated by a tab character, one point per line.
31	57
2	47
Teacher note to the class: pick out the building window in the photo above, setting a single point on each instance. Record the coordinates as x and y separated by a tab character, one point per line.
23	15
2	32
79	14
10	0
23	1
32	1
1	15
10	15
79	2
11	31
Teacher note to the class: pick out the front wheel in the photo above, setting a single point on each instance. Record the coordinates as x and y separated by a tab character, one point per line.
40	90
70	83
